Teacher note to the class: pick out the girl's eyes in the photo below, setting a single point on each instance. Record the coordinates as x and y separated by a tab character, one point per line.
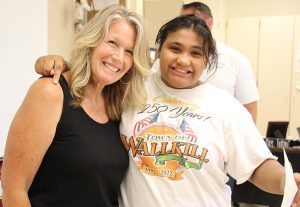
174	49
197	53
193	53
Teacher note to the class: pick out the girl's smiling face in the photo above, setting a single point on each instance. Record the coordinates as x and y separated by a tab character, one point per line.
182	59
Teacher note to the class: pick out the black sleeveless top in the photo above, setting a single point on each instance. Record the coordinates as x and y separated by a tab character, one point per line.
84	164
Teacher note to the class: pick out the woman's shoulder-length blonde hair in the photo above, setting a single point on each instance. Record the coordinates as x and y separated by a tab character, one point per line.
130	89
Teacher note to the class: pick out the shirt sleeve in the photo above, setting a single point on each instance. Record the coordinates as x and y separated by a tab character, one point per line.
246	149
245	89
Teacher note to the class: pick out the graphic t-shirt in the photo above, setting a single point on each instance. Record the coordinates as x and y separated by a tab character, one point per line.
182	144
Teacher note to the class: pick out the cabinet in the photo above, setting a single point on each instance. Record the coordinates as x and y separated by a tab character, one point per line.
295	86
243	35
269	44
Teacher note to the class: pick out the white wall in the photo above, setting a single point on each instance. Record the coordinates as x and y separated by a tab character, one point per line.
23	38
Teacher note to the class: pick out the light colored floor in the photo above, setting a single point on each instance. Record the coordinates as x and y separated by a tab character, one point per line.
251	205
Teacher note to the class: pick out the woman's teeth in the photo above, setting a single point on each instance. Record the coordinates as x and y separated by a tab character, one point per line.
110	67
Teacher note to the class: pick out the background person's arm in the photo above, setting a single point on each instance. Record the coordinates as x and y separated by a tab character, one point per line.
246	90
252	108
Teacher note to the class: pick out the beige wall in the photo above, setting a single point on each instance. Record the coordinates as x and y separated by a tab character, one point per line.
157	12
60	27
137	6
155	15
247	8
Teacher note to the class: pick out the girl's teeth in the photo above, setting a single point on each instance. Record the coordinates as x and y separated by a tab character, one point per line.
182	71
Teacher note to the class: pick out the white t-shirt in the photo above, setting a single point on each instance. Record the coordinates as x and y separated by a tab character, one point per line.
182	145
234	74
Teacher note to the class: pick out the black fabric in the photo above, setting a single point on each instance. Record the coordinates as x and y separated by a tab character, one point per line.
84	165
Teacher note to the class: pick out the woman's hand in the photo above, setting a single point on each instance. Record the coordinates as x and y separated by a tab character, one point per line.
51	65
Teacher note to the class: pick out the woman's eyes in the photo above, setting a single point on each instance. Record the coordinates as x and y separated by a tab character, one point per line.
130	52
113	43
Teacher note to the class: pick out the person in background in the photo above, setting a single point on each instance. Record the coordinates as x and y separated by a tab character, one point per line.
234	73
63	147
190	134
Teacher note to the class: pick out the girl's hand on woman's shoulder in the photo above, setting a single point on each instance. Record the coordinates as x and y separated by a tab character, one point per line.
51	65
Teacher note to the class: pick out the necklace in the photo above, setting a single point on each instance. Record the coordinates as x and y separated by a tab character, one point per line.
100	113
96	104
95	101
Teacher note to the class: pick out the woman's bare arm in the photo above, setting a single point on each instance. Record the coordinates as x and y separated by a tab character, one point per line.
31	133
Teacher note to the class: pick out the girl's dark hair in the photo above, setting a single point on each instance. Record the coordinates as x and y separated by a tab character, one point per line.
199	27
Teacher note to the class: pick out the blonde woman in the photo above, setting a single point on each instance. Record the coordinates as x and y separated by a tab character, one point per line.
63	147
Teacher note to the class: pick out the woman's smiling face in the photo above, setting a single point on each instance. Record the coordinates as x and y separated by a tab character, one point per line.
113	57
182	59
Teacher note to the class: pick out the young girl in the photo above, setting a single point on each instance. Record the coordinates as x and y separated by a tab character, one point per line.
191	134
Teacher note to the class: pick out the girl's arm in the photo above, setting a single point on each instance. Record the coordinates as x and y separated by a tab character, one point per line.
51	65
270	177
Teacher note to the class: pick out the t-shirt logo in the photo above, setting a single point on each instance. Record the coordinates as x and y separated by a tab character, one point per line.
165	150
